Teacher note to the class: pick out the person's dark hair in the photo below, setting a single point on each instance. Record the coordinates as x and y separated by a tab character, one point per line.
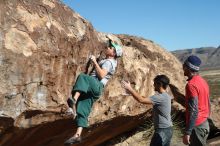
163	80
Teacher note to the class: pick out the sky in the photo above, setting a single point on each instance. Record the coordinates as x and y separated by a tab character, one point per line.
173	24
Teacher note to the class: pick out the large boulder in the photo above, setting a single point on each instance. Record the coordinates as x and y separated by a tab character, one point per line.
44	45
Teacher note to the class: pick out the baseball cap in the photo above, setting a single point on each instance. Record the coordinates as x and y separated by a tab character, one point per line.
118	49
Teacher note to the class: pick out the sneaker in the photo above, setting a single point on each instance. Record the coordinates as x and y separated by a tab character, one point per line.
72	107
70	102
73	140
71	112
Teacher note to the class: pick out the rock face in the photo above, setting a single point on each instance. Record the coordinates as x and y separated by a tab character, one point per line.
43	47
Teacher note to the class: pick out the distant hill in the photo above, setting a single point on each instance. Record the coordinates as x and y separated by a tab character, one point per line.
210	56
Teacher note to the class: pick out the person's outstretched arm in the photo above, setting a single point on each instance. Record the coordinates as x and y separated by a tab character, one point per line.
138	97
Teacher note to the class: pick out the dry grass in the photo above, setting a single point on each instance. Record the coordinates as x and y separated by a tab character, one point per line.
213	79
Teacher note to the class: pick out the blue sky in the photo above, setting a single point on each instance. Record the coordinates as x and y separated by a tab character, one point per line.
173	24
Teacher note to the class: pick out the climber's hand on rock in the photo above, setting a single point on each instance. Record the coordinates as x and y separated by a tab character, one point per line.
93	59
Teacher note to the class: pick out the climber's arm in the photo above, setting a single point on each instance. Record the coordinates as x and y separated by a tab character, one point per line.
101	72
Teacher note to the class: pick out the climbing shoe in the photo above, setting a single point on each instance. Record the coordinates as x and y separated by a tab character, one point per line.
73	140
71	102
71	111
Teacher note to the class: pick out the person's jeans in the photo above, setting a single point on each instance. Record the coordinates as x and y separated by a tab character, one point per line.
162	137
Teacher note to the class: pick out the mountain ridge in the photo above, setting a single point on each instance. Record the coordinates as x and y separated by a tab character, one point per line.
208	55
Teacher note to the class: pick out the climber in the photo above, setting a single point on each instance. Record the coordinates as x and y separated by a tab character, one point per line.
161	102
88	88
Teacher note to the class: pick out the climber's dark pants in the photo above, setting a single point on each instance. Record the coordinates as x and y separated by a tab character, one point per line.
90	89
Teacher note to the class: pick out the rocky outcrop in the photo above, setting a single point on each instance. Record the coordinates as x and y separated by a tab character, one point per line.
44	45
